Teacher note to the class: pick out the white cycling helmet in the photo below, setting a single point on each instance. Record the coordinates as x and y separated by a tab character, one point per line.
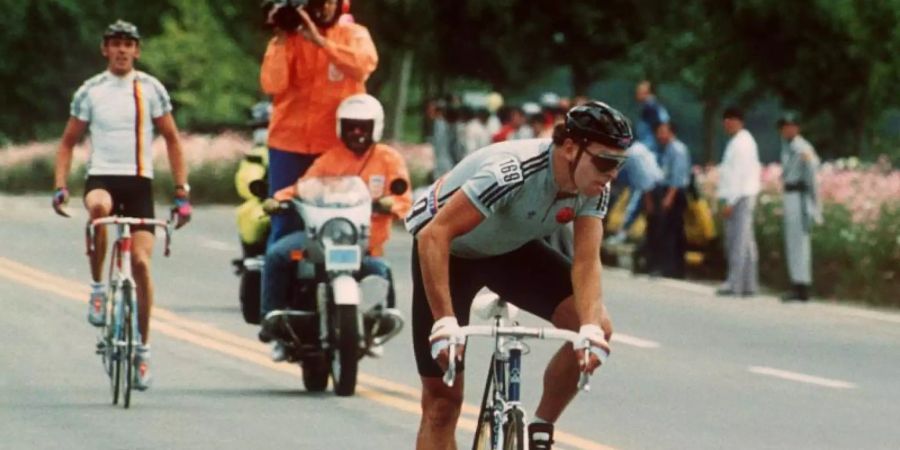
361	107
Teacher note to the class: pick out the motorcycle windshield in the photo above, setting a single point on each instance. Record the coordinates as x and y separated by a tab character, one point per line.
333	192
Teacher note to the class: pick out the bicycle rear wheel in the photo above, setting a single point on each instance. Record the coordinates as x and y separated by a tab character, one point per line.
127	354
485	426
514	430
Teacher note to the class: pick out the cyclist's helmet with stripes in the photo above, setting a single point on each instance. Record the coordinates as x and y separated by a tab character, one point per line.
122	30
598	122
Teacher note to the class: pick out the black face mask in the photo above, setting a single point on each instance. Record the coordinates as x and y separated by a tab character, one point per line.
357	134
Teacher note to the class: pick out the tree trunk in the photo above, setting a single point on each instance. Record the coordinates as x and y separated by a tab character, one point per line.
710	114
402	91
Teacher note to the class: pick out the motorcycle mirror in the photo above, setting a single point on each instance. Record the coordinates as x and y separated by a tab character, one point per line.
259	188
399	186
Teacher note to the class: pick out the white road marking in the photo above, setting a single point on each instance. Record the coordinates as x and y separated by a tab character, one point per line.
633	341
801	378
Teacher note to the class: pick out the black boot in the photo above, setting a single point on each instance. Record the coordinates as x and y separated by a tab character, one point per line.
803	292
793	295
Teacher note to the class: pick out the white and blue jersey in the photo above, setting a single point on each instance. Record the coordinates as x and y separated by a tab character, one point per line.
512	185
120	111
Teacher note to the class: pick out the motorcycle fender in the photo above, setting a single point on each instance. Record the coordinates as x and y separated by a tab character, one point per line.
345	290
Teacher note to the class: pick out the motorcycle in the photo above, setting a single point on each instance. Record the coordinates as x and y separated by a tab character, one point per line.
325	329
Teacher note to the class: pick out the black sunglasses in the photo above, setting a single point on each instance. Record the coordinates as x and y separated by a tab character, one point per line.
607	162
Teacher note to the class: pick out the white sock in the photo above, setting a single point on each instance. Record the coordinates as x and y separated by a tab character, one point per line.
97	286
539	420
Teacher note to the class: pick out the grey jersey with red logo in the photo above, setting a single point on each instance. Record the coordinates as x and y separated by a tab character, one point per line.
512	184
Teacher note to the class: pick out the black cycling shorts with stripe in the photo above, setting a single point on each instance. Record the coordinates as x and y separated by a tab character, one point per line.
534	277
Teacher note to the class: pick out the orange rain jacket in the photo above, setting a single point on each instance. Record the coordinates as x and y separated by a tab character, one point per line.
378	167
308	82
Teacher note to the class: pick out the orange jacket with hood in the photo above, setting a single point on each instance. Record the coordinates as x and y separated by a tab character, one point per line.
378	167
308	82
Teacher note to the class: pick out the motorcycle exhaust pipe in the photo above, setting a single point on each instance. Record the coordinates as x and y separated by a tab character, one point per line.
391	320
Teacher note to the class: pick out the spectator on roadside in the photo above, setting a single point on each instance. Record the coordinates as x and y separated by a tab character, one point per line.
651	114
639	174
475	131
511	118
665	206
441	138
799	163
739	180
308	72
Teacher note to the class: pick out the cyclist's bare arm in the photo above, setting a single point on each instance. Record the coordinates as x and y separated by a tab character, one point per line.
456	218
586	268
73	132
166	126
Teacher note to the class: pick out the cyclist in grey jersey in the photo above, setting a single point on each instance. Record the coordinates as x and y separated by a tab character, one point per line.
481	226
512	185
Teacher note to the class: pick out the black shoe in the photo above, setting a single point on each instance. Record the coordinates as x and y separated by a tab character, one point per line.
796	294
725	292
540	436
264	336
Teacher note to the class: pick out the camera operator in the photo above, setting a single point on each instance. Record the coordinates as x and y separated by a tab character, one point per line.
313	62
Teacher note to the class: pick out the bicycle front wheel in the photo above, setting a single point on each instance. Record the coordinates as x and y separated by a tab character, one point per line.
484	429
514	430
127	353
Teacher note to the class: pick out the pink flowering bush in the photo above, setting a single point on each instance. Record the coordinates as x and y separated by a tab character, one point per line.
856	250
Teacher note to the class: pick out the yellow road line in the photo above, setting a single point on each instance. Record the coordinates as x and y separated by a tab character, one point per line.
209	337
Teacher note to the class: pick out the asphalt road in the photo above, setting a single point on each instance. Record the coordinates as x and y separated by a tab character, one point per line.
688	370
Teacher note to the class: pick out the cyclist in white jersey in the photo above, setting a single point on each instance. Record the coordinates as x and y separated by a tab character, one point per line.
481	226
121	107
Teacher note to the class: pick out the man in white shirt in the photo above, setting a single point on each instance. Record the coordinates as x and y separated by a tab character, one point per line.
739	176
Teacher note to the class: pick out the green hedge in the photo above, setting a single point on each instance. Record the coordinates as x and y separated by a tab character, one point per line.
210	182
852	261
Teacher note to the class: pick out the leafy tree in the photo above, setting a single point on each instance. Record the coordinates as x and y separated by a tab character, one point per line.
210	78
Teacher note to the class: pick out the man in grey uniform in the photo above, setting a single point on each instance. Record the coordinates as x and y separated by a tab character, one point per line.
481	226
801	204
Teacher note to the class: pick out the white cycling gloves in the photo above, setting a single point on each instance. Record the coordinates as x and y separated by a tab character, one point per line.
592	335
441	332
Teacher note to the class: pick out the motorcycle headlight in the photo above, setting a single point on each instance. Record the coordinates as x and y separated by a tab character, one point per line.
339	231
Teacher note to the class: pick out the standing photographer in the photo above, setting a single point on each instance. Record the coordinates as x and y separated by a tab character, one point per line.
311	65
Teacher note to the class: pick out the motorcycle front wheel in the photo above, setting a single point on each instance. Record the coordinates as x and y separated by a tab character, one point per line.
345	353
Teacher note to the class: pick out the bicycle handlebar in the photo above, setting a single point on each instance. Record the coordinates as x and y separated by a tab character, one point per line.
517	332
167	225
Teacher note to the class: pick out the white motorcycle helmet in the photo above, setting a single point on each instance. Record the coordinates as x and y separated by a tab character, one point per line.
360	122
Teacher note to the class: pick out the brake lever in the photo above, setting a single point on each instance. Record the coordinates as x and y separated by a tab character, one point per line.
450	374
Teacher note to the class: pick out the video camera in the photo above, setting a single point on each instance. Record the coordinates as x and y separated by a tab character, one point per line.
287	18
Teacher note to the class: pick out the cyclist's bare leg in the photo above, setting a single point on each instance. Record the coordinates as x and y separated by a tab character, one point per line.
98	203
561	376
440	412
141	252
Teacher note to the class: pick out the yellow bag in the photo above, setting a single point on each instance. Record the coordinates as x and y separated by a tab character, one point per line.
252	222
616	216
699	226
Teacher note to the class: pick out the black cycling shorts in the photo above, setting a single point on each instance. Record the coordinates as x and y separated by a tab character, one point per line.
132	196
534	277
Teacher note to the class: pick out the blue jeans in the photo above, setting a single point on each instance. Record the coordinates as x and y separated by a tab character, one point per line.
277	273
284	170
633	208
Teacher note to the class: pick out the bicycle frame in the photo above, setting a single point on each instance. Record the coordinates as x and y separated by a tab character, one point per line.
117	344
505	372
